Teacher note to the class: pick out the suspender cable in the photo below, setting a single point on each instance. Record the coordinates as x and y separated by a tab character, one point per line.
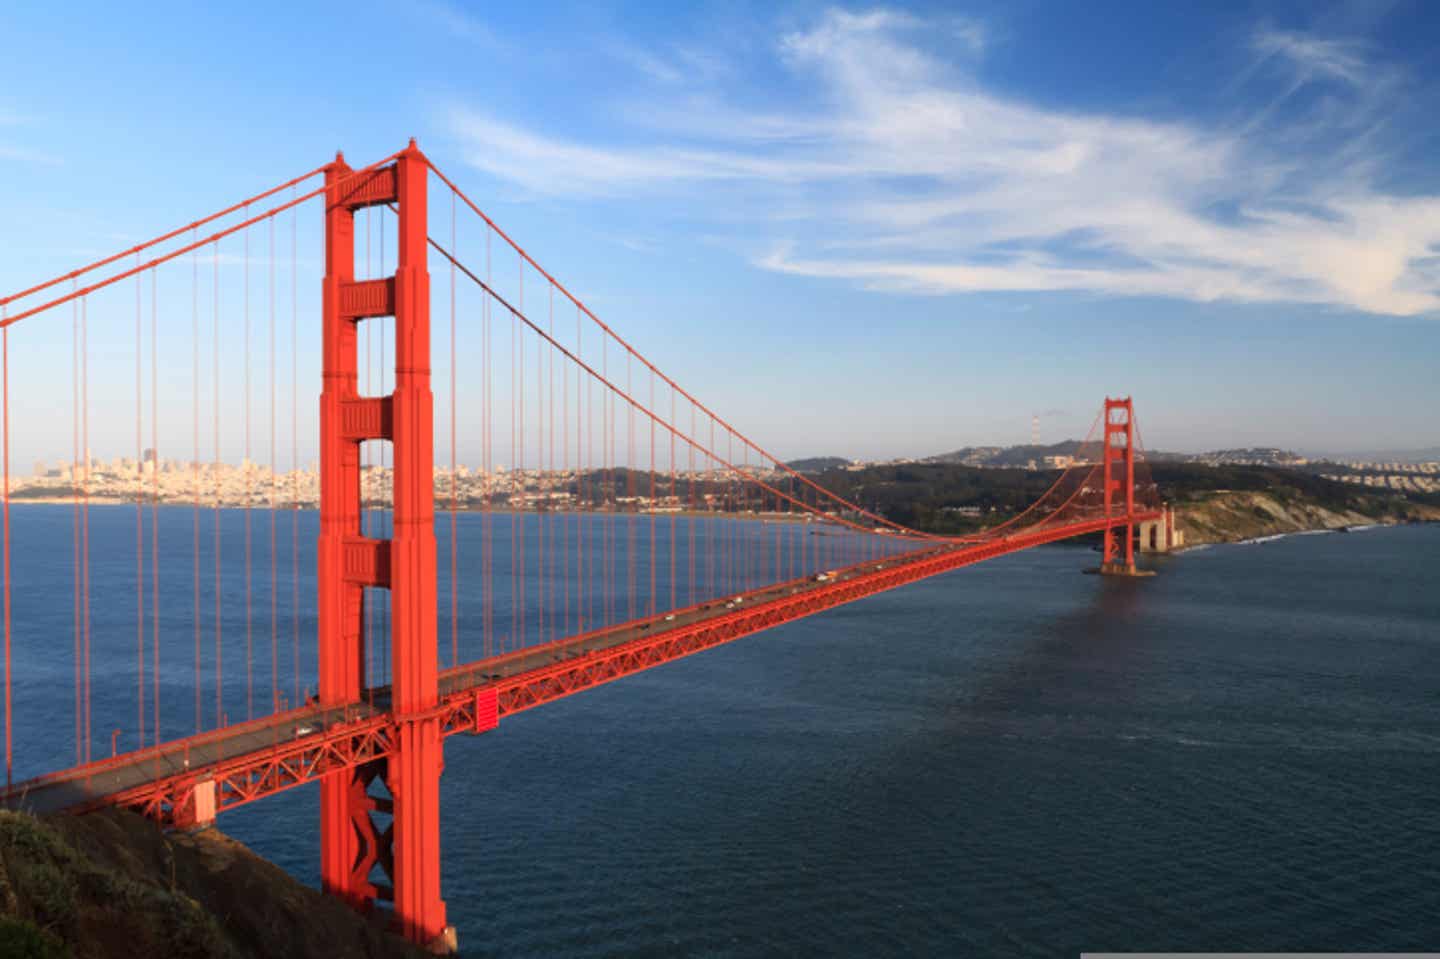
139	536
630	492
515	467
564	471
195	465
454	498
294	459
245	469
215	376
675	506
155	503
85	506
75	513
487	461
541	579
581	462
5	376
652	559
274	518
517	517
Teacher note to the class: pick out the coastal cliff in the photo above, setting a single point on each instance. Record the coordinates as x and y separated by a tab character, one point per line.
1228	516
112	884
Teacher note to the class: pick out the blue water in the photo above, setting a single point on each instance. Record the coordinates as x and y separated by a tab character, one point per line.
1013	759
257	620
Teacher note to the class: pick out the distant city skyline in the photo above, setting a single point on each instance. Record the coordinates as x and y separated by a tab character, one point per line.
864	231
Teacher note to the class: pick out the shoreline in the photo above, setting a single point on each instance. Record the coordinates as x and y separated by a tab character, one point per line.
440	509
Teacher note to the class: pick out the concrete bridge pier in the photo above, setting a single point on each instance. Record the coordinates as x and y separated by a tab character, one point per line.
1160	536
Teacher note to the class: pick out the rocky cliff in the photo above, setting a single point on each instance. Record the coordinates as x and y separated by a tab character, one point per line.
1227	516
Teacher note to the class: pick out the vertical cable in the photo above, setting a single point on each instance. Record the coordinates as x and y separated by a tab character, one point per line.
454	478
630	585
294	456
581	462
540	578
674	505
85	507
274	517
547	530
195	460
518	596
487	371
155	502
75	514
551	585
651	605
139	531
565	471
249	571
5	377
215	350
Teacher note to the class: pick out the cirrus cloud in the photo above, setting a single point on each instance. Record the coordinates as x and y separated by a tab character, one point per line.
912	176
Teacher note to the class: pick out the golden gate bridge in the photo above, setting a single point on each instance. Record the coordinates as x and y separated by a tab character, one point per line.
614	522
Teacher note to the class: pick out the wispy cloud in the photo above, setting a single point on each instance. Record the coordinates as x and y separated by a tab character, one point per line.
455	21
21	154
1315	57
939	185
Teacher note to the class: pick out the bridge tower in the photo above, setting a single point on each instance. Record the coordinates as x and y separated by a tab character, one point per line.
1117	472
366	861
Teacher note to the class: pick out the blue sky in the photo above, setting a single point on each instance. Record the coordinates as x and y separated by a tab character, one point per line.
872	231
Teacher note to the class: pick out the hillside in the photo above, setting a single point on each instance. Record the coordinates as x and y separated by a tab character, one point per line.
953	498
112	885
818	464
1224	504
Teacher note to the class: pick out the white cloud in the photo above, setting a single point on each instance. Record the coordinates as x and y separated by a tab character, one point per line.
913	176
1313	56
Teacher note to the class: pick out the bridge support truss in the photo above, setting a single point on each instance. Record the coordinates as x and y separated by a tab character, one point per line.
381	846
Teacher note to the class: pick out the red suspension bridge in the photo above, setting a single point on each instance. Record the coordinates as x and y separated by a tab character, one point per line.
595	518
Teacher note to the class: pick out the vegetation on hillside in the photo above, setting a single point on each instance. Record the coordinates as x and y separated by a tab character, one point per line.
951	498
111	884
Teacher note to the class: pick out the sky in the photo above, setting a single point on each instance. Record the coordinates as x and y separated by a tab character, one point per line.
868	231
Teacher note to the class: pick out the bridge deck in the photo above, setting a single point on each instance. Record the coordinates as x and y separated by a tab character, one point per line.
277	752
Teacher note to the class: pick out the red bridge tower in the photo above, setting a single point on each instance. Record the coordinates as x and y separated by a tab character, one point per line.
1117	473
364	861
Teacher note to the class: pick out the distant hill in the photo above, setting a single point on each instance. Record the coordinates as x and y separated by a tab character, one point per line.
996	456
818	464
1429	454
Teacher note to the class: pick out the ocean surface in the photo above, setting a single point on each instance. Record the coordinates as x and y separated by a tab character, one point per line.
1241	753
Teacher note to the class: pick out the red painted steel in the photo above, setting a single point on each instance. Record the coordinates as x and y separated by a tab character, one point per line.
353	843
1119	452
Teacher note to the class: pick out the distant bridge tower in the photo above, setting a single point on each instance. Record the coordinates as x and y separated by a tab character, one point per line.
1117	471
365	861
